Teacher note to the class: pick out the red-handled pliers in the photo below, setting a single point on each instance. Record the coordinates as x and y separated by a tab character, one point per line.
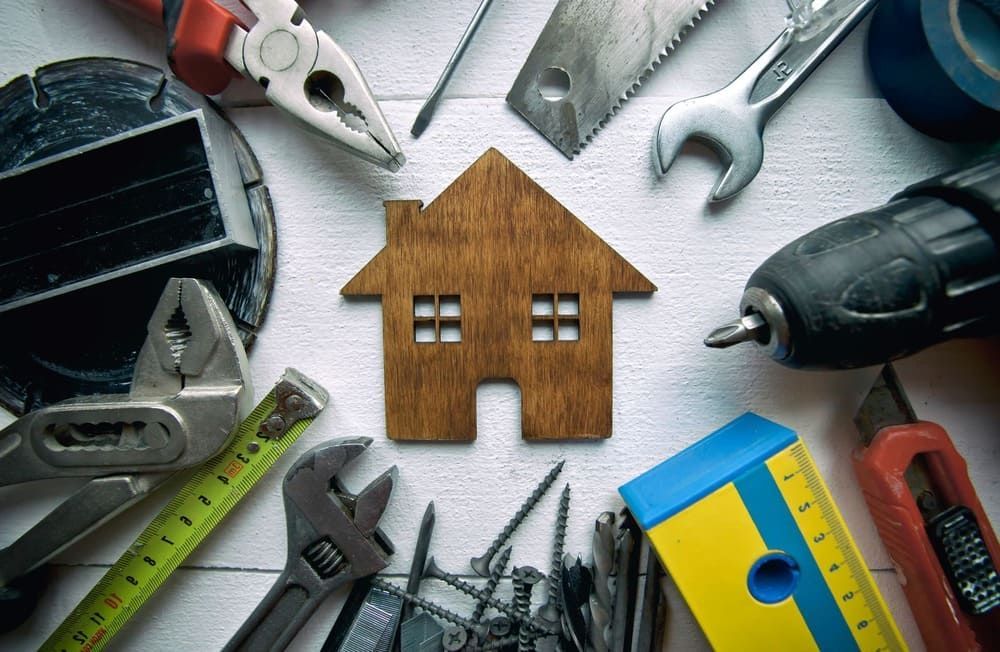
302	70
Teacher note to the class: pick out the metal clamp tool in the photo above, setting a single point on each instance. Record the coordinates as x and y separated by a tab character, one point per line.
731	121
333	539
190	389
302	70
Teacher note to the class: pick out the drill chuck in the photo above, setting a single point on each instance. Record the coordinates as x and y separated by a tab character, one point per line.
882	284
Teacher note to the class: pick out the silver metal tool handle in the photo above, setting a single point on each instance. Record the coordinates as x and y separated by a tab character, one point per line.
790	59
282	612
91	506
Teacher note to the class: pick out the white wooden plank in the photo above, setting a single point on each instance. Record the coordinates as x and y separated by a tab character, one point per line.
833	150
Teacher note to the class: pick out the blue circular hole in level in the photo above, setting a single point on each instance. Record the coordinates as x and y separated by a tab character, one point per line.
773	578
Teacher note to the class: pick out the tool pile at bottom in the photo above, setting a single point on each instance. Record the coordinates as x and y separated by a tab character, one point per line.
613	603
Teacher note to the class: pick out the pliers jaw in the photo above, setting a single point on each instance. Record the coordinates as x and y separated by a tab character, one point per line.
306	74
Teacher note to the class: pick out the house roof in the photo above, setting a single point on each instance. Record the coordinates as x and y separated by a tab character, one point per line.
493	210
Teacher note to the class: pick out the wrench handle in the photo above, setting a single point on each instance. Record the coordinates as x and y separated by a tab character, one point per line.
789	60
880	469
283	611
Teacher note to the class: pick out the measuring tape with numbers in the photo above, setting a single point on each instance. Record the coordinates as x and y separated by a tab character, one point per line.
209	495
748	530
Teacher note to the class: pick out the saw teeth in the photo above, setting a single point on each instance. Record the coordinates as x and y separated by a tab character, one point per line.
629	92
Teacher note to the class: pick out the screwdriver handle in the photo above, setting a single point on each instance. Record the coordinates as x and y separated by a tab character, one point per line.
880	468
890	281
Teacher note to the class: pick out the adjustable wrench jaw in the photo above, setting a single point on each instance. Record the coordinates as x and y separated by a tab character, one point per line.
332	540
333	531
190	389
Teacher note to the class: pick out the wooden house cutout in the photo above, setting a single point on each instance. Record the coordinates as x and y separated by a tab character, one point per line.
495	279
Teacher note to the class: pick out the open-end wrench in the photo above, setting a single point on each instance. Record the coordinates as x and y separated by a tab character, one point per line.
332	539
731	121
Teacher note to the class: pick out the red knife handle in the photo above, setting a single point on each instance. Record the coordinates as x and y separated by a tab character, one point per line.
197	34
880	468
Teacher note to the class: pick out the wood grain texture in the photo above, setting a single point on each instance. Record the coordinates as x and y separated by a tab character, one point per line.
495	279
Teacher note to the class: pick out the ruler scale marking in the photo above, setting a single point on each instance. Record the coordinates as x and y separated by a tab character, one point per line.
208	495
747	495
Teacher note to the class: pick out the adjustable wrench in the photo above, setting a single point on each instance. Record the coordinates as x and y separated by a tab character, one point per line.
332	539
190	389
731	121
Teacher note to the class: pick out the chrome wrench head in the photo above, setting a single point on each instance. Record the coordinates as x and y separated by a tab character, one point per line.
731	121
731	131
332	529
333	538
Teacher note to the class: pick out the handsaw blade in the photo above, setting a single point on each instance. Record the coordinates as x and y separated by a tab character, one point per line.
607	49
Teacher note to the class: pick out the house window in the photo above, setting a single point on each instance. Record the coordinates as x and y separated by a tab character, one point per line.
555	317
437	318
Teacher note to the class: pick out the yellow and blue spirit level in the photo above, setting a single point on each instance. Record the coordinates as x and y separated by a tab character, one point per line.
747	528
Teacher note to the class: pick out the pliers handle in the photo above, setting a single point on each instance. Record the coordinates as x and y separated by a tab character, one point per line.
198	32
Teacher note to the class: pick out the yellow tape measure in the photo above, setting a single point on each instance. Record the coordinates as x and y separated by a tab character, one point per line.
751	536
210	493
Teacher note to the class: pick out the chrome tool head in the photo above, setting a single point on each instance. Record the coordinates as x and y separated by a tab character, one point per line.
191	343
332	530
306	74
731	121
732	131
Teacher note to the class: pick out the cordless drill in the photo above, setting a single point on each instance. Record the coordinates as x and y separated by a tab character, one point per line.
882	284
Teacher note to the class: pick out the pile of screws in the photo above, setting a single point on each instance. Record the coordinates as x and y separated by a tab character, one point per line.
515	626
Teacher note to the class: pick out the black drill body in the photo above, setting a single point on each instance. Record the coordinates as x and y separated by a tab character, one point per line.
888	282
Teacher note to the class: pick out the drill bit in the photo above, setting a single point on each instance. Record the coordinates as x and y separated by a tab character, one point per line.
551	610
482	564
750	327
600	600
621	633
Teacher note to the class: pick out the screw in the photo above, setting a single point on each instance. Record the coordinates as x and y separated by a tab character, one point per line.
499	644
500	626
421	603
253	447
482	564
491	584
552	609
525	578
273	426
454	639
294	403
523	617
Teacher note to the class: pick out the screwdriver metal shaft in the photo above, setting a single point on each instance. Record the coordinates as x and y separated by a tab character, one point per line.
427	110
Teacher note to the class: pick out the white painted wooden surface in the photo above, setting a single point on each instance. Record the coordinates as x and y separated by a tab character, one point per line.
836	148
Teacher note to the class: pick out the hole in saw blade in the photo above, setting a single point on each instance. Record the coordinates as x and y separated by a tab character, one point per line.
554	84
326	93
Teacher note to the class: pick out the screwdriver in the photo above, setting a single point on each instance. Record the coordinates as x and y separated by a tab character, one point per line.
882	284
917	488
